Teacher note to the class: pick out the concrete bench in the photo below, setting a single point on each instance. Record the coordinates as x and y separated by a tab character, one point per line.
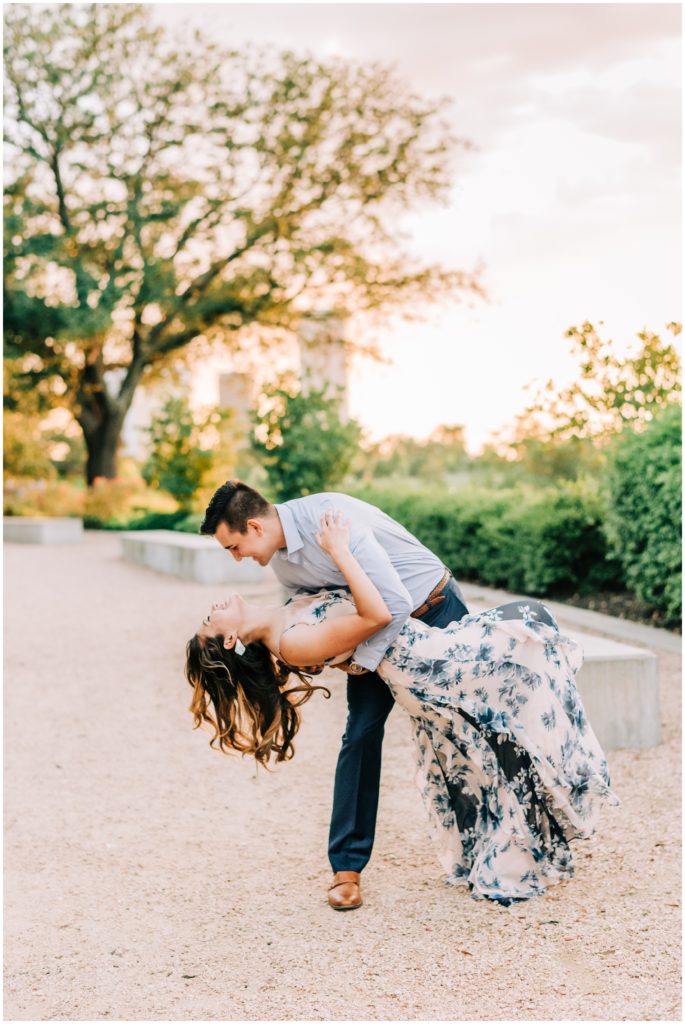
42	530
620	690
189	557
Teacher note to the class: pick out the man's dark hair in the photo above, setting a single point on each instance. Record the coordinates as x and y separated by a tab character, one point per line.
234	503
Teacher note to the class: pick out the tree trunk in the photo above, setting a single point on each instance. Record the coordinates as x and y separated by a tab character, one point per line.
102	435
102	455
101	418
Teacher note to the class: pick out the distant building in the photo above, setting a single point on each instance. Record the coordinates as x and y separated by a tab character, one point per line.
323	356
147	403
324	359
236	392
135	441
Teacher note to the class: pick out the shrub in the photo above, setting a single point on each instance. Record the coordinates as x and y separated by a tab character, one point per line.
24	450
177	462
127	504
564	548
155	521
304	443
42	498
109	501
534	542
644	511
189	524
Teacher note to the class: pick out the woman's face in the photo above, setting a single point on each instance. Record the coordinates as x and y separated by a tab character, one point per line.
225	619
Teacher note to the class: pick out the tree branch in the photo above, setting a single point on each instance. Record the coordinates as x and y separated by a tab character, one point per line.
196	288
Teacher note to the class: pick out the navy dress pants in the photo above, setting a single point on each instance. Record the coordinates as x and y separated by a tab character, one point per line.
358	773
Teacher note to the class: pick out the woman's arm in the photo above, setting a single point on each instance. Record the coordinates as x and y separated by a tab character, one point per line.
305	644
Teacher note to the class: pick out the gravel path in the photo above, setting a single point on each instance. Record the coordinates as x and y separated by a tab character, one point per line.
149	877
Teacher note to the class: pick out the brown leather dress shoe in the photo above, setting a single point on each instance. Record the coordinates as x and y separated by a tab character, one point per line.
345	891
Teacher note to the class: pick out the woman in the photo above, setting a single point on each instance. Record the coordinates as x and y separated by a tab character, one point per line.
508	765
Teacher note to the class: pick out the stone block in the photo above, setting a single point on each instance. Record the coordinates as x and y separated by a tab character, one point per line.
189	557
42	530
619	685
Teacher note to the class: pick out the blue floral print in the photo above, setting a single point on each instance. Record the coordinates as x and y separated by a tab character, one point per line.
508	766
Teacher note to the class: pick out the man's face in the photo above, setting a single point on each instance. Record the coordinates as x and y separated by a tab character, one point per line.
254	543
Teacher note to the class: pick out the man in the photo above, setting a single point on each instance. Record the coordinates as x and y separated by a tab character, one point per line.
412	580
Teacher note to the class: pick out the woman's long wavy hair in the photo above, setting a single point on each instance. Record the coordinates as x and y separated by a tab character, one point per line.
244	698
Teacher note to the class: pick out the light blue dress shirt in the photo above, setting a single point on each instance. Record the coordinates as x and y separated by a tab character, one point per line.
403	570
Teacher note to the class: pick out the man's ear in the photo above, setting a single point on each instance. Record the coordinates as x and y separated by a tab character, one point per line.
257	525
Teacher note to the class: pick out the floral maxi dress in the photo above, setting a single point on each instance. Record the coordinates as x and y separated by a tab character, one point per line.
507	763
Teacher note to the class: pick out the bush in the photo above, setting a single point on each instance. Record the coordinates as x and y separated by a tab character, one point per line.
42	498
304	443
644	511
155	521
178	462
189	524
565	549
108	503
24	449
527	541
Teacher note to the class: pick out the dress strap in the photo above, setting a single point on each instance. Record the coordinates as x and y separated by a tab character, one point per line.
280	656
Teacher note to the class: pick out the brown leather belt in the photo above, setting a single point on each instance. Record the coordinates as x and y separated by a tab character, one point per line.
435	596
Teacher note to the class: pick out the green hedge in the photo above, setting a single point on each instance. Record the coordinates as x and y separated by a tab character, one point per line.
146	521
644	511
190	523
528	541
179	520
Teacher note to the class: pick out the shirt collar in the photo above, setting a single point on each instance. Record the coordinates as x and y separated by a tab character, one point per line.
293	540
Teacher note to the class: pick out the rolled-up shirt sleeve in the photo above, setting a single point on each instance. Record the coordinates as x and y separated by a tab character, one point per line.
378	567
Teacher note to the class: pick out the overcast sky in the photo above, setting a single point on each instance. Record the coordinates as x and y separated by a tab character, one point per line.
571	198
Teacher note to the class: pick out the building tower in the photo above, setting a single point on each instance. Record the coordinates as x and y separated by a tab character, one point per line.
324	359
236	394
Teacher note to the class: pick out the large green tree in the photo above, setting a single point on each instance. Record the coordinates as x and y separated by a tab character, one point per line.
163	192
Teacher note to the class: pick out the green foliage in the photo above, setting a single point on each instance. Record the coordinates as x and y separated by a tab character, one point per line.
304	444
527	541
24	451
229	439
42	498
178	462
610	392
109	502
162	194
122	504
67	453
544	460
155	521
33	448
565	548
189	524
644	511
127	504
442	455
